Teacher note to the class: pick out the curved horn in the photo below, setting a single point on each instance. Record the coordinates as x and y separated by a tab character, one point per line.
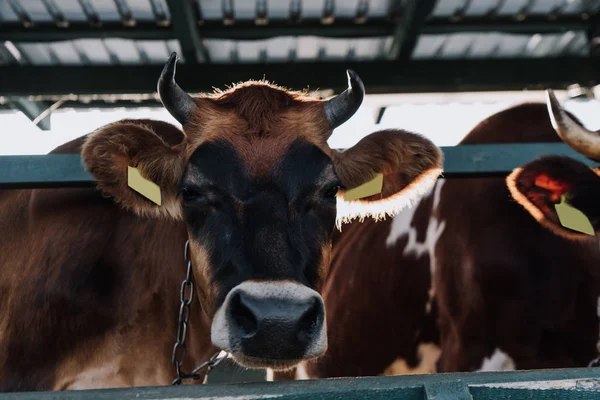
581	140
179	104
339	109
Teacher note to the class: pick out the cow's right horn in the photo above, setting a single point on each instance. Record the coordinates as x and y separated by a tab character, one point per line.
179	104
581	140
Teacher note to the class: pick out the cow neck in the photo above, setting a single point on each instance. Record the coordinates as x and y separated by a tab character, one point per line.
186	297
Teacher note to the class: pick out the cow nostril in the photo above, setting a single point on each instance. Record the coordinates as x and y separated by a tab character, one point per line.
310	321
243	316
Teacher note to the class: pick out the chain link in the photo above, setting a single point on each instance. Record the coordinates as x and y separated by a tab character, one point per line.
186	296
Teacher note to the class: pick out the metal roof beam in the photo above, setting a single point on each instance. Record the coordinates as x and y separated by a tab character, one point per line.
31	109
185	28
411	76
250	31
412	20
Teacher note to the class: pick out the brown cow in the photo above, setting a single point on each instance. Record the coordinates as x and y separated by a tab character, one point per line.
90	279
508	293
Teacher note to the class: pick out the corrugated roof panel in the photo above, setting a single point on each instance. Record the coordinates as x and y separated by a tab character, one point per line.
123	50
93	50
219	50
161	7
511	7
141	10
279	49
378	8
211	9
36	53
65	53
71	10
370	48
302	48
307	48
546	6
335	49
36	10
278	9
480	8
578	7
511	46
250	51
500	45
312	9
156	51
456	46
445	8
345	9
174	46
427	46
6	12
105	10
244	10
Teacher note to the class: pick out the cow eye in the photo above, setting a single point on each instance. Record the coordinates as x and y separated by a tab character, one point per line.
332	191
191	195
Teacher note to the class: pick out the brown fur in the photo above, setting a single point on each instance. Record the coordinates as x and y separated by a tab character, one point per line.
98	275
399	155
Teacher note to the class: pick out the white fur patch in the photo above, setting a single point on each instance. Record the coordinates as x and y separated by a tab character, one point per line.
428	355
272	290
401	226
392	205
499	361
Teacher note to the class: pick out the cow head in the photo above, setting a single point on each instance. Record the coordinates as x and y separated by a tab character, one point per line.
542	183
260	191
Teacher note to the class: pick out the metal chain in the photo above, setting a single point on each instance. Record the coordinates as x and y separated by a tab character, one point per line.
186	295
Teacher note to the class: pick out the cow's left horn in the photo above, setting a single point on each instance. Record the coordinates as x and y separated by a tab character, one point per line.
581	140
339	109
179	104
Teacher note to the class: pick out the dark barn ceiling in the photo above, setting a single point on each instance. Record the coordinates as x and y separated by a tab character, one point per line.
62	50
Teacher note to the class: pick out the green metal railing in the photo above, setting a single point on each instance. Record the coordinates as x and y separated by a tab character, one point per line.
480	160
558	384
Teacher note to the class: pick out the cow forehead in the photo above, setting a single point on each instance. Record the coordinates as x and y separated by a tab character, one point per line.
242	173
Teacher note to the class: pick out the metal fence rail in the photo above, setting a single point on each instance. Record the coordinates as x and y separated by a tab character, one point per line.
564	384
464	161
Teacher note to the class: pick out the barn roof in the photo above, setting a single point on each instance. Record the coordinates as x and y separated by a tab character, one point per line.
112	49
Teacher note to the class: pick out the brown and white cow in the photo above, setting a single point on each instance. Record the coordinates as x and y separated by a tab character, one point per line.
90	279
508	293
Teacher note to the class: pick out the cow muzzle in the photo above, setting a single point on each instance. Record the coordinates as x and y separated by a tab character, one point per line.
271	324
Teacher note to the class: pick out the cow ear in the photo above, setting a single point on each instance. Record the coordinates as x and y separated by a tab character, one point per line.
542	184
408	163
111	152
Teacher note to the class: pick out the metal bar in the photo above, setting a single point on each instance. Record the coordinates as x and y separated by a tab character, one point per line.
185	27
411	76
409	28
32	110
464	161
44	34
409	387
250	31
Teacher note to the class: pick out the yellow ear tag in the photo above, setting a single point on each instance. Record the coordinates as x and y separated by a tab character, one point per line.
572	218
142	185
366	189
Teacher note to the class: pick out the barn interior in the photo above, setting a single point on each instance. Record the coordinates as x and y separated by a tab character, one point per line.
69	66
